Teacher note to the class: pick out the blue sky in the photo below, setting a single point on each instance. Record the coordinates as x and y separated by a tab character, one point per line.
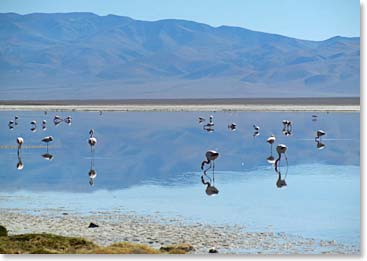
304	19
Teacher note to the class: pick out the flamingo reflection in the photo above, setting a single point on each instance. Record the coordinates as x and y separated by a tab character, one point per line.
211	156
92	172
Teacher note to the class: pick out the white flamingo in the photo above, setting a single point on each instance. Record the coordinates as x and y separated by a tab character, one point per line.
47	139
271	140
211	156
44	127
319	134
232	126
209	126
20	142
281	149
92	140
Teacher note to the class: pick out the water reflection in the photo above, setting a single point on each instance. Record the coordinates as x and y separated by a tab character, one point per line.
145	146
92	172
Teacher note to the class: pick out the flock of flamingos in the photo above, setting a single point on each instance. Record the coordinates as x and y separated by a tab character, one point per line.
210	155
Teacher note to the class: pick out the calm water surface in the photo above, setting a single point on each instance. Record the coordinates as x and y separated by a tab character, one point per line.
149	162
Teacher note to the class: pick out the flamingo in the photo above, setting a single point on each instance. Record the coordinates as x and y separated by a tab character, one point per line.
57	120
47	139
34	126
271	140
209	126
68	120
281	149
232	126
92	140
201	119
20	142
319	134
211	156
11	124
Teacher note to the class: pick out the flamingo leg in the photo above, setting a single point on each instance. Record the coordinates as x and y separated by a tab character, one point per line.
213	173
210	166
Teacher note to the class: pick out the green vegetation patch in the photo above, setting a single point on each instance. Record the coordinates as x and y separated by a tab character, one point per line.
54	244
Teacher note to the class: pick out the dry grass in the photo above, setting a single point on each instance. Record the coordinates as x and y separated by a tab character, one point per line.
54	244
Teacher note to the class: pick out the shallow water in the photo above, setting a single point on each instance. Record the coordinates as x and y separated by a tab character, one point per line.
149	162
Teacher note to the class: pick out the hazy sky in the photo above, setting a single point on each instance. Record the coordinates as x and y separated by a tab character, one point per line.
304	19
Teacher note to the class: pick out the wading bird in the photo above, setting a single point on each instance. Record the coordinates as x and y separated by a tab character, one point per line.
211	156
256	128
271	140
11	124
57	120
47	140
232	126
33	126
20	142
44	127
92	140
281	149
210	125
319	134
68	120
201	119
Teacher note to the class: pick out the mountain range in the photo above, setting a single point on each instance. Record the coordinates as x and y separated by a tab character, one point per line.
86	56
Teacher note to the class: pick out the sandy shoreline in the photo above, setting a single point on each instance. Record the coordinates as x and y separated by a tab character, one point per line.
215	104
155	231
178	108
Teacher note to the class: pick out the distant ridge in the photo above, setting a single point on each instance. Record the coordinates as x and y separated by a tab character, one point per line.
86	56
